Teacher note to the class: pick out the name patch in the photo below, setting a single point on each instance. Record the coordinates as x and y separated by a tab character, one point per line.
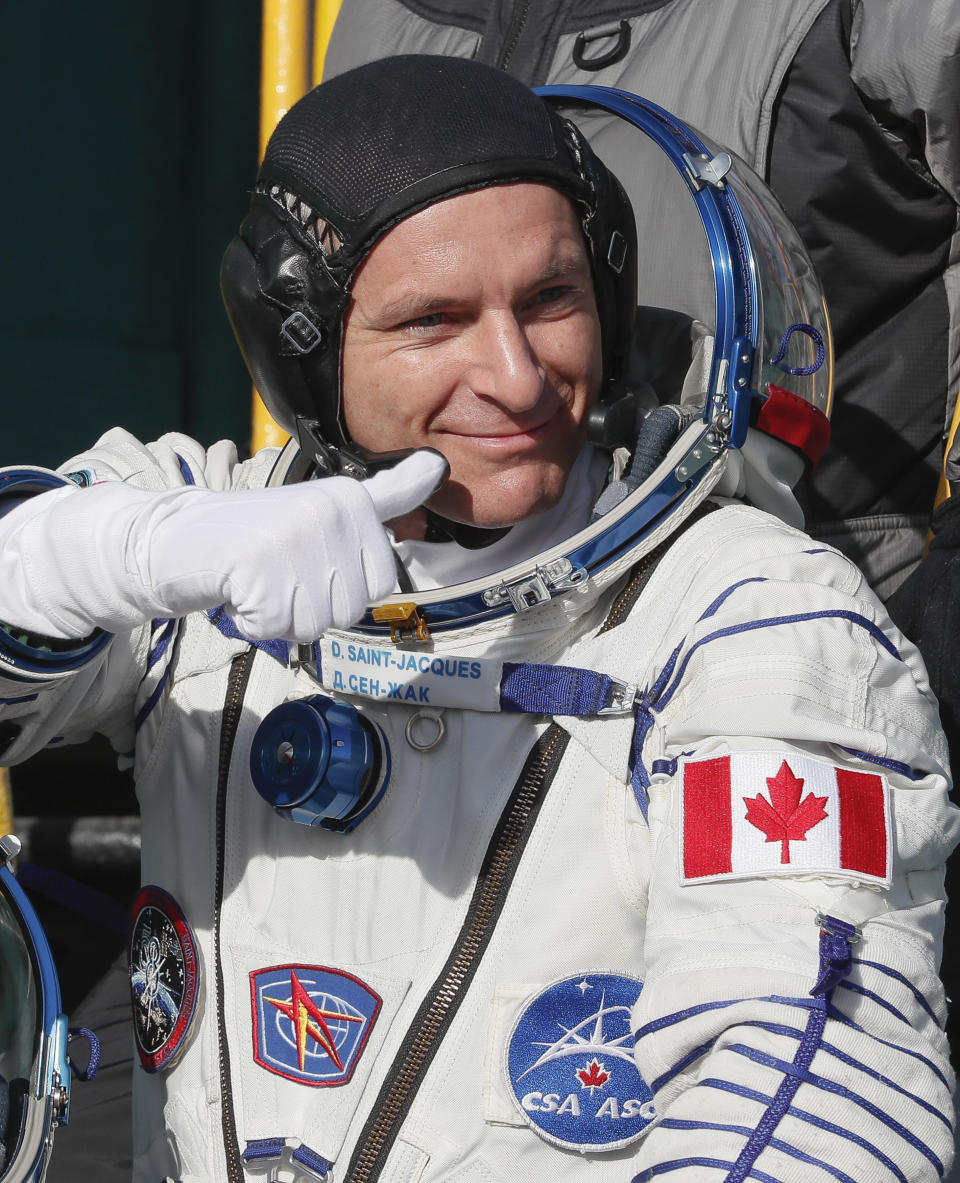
402	675
310	1023
164	977
570	1068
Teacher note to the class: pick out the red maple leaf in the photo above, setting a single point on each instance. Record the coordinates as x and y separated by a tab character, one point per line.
592	1075
785	818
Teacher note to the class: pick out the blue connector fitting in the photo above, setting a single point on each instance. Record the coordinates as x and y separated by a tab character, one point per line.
319	762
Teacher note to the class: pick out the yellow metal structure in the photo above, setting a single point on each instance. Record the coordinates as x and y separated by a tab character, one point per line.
943	489
295	38
324	15
406	623
6	804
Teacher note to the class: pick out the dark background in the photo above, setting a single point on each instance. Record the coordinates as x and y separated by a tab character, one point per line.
129	142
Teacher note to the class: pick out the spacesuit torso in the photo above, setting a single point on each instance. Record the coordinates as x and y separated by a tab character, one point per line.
452	991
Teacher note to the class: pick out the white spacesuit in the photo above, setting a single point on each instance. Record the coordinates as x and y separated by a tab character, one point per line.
624	843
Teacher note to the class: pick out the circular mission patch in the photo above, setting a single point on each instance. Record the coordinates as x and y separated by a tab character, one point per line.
164	977
570	1068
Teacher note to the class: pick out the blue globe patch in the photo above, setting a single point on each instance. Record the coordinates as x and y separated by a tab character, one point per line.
570	1066
310	1022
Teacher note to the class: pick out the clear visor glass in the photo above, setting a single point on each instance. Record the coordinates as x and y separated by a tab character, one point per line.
795	346
19	1009
673	344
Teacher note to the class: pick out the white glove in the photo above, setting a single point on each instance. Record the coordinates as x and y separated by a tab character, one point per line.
288	562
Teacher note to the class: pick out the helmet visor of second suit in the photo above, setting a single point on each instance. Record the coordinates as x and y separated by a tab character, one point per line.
34	1077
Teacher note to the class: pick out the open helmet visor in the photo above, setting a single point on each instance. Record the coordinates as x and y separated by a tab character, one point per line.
731	328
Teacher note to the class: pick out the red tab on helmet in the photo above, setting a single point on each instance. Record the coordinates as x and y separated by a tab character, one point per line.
795	421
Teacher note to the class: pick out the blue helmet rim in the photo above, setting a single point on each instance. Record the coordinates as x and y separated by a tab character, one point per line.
735	278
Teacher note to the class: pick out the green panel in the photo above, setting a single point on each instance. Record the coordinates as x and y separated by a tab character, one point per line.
129	135
59	396
224	47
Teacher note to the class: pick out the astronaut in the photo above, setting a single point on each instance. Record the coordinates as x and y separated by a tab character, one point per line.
518	791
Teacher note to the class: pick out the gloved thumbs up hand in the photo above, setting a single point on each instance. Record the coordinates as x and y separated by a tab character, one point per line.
397	490
287	562
326	556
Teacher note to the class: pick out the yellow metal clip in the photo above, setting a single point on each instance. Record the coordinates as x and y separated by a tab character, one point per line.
406	623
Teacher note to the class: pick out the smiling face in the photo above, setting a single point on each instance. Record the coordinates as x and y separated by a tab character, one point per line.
474	330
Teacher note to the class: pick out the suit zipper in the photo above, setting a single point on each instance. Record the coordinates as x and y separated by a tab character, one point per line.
444	997
233	703
514	33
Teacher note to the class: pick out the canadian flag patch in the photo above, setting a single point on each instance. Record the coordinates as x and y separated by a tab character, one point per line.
767	813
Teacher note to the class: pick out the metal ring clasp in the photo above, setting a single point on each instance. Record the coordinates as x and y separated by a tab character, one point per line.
429	717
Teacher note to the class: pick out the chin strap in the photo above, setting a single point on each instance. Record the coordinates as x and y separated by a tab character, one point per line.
610	424
440	529
320	458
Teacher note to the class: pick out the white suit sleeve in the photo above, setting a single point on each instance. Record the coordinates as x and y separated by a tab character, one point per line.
791	1018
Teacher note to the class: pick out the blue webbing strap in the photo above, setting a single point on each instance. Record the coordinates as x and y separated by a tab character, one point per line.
836	959
639	779
258	1148
311	1159
836	937
566	690
553	690
96	1052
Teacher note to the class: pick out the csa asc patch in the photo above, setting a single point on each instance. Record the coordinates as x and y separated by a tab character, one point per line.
310	1023
771	813
570	1066
164	977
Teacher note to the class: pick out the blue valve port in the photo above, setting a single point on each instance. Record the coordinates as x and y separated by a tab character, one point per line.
320	762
